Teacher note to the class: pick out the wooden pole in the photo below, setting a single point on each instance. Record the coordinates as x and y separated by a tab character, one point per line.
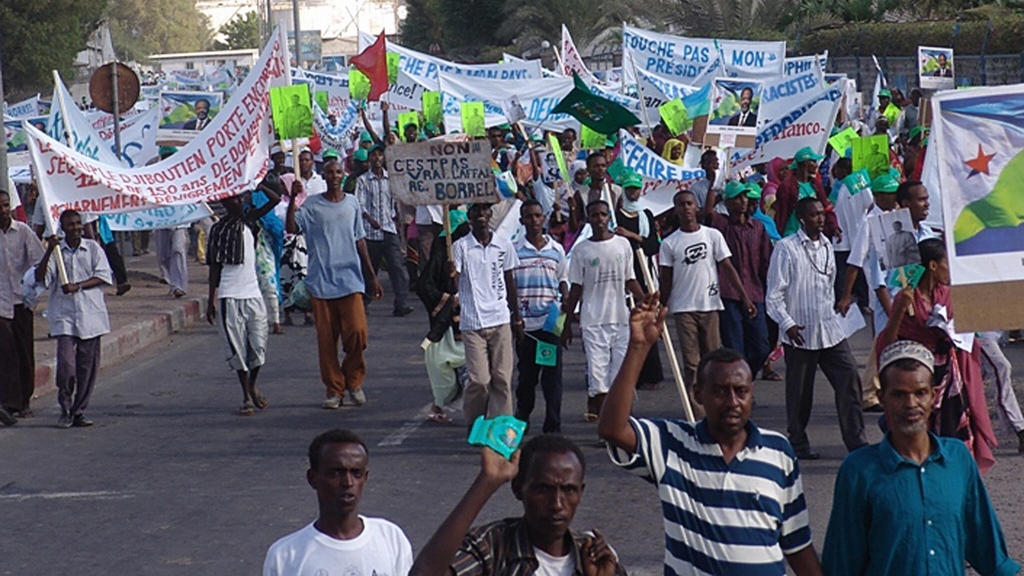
640	91
295	159
667	339
447	230
61	270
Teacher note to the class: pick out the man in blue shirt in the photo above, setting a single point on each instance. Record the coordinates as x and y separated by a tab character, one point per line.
914	503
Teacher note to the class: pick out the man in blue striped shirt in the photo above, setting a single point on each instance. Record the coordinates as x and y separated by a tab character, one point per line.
731	493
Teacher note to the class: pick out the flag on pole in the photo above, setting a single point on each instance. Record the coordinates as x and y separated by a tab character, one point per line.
597	113
571	59
373	62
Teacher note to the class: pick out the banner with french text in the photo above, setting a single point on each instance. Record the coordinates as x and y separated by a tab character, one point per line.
227	158
440	172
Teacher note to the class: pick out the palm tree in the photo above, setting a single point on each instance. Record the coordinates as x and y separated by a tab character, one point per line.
591	22
720	18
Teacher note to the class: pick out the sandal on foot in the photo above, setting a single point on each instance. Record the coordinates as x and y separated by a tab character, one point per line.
771	375
260	401
440	418
247	409
590	417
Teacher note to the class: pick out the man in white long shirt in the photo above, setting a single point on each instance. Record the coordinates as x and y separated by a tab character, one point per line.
800	298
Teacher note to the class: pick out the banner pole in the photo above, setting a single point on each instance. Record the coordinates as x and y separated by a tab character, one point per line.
447	230
640	91
295	159
667	339
61	270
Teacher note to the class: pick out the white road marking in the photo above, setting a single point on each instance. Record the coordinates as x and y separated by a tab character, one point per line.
98	495
398	436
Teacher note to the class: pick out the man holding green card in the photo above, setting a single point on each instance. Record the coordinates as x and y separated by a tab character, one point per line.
541	283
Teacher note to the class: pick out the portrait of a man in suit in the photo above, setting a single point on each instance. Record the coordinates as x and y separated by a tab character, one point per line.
745	117
202	118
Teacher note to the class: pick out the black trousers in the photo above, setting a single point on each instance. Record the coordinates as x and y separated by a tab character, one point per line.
116	263
17	360
550	378
840	369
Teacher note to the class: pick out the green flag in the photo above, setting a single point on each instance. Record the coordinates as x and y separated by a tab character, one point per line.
473	119
590	140
674	115
599	114
358	85
292	115
432	107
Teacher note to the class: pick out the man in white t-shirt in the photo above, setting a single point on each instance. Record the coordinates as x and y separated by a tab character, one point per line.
600	272
340	540
481	268
691	258
231	255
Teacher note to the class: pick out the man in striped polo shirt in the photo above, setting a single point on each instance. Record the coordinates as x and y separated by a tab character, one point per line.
731	493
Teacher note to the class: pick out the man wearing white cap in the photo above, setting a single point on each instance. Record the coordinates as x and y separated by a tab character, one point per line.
914	503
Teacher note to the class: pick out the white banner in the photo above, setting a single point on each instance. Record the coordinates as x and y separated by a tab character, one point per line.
688	60
537	97
424	68
657	90
571	59
782	93
662	179
807	124
340	135
406	92
226	159
23	109
801	64
156	218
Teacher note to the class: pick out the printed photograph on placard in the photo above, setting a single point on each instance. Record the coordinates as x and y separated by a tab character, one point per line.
893	236
935	68
734	106
184	114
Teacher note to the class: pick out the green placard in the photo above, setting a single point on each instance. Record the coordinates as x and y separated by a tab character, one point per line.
840	142
473	119
591	140
292	115
432	108
547	354
872	154
674	115
559	157
393	60
406	118
358	85
322	98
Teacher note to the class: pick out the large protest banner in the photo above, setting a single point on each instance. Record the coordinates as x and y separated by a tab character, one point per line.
809	123
156	218
440	172
537	97
662	179
24	109
339	135
424	68
657	90
977	138
782	93
404	92
228	158
690	60
801	64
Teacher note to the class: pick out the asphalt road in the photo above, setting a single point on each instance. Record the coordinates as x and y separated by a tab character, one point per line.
171	481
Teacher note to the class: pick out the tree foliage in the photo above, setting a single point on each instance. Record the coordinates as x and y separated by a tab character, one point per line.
242	31
143	27
43	35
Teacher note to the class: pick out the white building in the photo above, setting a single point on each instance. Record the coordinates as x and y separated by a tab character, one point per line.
201	60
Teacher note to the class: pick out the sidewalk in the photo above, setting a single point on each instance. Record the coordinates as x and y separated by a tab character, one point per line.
142	317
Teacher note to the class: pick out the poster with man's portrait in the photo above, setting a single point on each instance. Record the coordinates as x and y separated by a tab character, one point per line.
893	236
185	114
935	68
734	106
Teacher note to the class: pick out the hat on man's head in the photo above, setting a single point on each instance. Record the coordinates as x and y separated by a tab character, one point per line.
375	147
631	180
330	153
802	155
365	137
361	155
884	93
885	183
166	151
753	191
276	149
906	350
916	130
733	189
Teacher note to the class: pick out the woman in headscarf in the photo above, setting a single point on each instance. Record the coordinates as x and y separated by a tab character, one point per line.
960	409
637	225
778	171
673	151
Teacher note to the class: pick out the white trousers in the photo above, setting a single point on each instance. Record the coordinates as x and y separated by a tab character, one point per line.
605	347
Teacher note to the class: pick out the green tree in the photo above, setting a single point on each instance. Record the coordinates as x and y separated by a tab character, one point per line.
242	31
143	27
422	28
43	35
528	22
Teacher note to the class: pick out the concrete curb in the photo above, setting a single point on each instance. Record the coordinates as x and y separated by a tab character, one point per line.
123	342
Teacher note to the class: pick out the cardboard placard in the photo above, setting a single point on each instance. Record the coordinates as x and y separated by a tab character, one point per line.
673	114
293	117
978	306
591	140
432	108
439	172
473	119
358	85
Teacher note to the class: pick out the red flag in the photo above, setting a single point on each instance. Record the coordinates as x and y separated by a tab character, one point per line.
374	63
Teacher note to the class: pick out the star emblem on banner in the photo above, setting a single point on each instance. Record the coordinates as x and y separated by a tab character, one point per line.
979	164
